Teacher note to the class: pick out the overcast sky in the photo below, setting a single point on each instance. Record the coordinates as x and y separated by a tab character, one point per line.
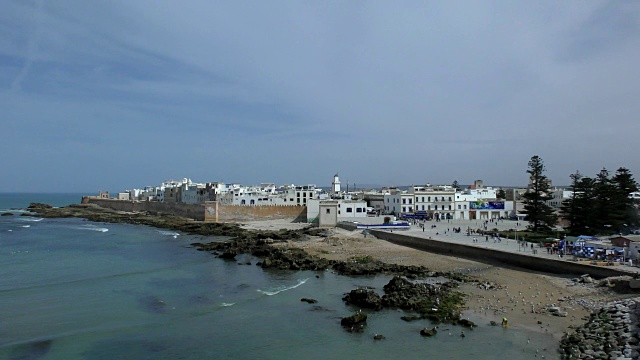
115	95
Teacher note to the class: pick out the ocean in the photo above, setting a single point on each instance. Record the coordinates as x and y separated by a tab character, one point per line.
74	289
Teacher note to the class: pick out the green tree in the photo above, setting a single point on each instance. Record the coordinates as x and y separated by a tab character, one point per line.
578	209
455	185
626	214
541	217
500	194
569	208
604	209
601	205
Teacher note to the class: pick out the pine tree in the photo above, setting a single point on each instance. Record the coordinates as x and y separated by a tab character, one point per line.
540	216
603	206
455	185
626	214
578	209
569	208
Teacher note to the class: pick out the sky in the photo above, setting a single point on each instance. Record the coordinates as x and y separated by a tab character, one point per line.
122	94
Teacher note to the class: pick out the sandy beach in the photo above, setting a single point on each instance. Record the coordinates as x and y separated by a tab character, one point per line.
522	296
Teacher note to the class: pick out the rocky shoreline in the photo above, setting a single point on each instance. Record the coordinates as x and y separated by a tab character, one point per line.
611	331
261	243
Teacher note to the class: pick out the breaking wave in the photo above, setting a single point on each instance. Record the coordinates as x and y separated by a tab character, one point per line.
169	233
280	289
227	304
26	218
92	228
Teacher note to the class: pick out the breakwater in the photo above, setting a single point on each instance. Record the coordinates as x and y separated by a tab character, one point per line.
476	253
611	333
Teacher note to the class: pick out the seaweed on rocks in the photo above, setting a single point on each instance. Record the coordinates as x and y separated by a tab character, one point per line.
438	302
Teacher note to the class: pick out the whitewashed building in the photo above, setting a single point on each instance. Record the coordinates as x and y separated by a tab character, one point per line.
346	209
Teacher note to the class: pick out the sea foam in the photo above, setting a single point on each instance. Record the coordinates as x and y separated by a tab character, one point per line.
92	228
26	218
169	233
280	289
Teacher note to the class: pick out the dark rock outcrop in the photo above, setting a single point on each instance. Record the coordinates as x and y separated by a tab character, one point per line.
364	298
437	302
356	319
310	301
428	332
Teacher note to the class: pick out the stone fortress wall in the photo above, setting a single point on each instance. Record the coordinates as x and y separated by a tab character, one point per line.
226	213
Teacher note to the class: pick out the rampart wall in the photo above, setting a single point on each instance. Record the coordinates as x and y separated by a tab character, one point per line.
226	213
238	213
191	211
525	261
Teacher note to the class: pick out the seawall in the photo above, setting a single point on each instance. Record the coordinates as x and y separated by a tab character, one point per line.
191	211
493	256
226	213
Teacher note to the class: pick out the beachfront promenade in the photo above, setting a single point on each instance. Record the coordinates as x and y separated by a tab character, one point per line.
443	232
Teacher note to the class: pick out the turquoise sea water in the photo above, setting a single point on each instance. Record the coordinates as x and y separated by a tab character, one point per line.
73	289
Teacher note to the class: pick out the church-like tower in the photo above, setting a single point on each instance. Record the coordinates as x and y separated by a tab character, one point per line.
336	184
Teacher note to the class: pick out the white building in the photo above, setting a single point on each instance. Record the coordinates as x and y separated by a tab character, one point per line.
559	195
347	209
435	201
194	194
444	202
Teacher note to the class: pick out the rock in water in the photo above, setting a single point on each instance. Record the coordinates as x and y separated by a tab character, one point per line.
428	332
355	319
364	298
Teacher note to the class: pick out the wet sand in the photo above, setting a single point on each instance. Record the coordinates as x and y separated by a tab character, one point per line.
522	296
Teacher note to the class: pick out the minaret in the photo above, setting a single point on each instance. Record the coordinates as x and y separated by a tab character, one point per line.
336	184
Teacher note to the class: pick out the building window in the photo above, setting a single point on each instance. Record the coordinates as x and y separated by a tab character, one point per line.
465	207
443	198
349	210
410	200
328	211
423	200
436	207
449	207
404	201
459	206
429	199
404	209
422	207
359	210
449	198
